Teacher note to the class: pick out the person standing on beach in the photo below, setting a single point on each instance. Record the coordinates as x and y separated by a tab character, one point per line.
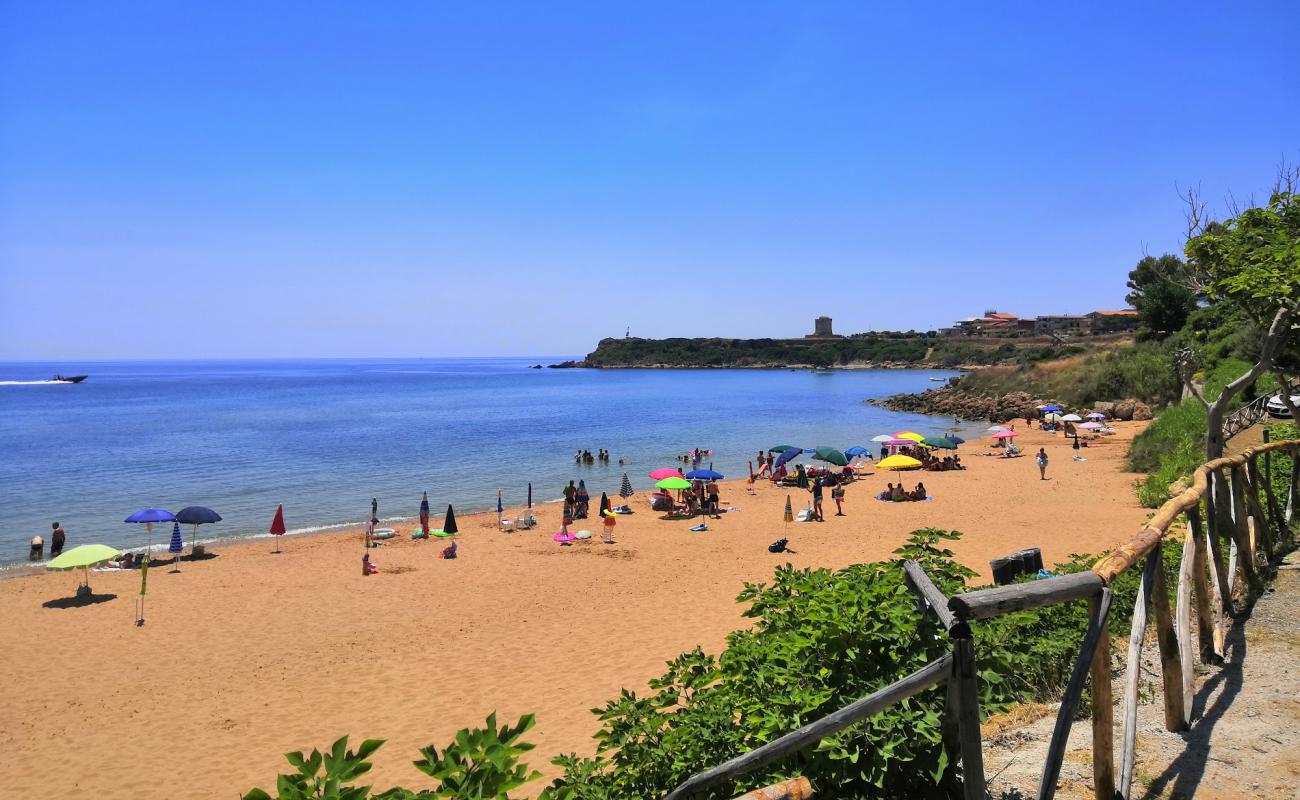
817	500
1041	458
837	494
56	540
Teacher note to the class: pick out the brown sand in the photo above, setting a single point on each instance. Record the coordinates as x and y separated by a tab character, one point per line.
251	654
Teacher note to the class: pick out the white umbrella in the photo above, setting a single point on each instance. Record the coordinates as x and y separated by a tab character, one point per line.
1090	426
884	437
1072	418
996	428
1096	415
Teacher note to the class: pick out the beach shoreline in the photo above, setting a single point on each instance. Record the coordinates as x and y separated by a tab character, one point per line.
269	652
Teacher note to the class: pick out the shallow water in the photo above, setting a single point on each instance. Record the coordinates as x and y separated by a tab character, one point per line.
325	436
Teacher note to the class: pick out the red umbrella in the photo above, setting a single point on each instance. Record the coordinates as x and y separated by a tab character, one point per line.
277	525
666	472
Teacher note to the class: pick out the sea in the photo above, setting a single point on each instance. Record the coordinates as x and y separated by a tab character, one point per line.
324	437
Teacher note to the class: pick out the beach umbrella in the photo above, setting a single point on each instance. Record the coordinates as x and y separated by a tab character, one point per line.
1072	418
500	508
704	475
1096	415
1005	435
666	472
855	451
177	546
899	462
196	516
1090	426
604	504
830	455
83	558
277	525
148	516
916	437
996	428
530	492
674	482
781	448
424	513
449	522
789	510
884	437
940	442
625	491
1051	416
787	455
955	439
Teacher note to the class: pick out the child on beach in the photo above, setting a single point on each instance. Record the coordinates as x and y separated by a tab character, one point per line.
837	494
367	567
1041	458
817	500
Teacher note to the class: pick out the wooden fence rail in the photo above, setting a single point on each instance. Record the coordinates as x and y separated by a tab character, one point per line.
1258	530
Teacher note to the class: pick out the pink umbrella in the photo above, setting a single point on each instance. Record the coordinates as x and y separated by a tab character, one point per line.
900	443
666	472
1005	435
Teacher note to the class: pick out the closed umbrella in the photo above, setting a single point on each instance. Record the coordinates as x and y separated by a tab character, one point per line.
277	525
604	504
424	513
449	523
625	491
177	546
83	558
530	493
789	510
196	516
500	508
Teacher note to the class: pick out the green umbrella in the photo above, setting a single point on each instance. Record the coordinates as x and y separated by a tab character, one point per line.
83	557
939	441
674	483
831	456
781	448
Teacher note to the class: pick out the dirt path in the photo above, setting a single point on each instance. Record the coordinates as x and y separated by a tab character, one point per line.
1244	743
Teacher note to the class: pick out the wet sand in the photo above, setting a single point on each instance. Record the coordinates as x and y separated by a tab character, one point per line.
251	654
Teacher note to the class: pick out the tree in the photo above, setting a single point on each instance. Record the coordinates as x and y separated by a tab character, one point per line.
1160	291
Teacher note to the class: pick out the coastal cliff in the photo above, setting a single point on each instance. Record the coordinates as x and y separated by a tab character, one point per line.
901	350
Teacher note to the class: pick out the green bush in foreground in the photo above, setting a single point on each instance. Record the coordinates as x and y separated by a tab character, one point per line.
821	639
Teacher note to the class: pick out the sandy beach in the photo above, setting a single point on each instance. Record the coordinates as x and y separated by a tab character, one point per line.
250	654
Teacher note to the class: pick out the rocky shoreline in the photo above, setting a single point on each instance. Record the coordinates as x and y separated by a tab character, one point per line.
955	402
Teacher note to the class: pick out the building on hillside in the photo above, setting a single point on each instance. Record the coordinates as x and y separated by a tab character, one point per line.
1122	321
992	323
1063	325
822	330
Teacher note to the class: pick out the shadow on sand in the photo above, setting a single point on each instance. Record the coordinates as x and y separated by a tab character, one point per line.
78	601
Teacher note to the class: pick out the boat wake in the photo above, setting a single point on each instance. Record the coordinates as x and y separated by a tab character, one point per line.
34	383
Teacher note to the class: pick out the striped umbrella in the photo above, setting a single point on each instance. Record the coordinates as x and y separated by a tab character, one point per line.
789	509
177	546
625	491
424	513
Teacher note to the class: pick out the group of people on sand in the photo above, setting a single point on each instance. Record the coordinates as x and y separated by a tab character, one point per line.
576	500
702	498
585	457
934	463
897	494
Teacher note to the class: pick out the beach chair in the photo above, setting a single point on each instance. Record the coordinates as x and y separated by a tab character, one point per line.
507	525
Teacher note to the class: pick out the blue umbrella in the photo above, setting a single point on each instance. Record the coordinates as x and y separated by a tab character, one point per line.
196	516
787	455
855	451
704	475
1052	409
955	439
148	516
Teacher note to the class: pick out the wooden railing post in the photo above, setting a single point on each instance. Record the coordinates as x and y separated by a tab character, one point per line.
1177	717
1222	584
1211	626
1183	621
1103	714
1263	529
1097	618
968	718
1293	490
1241	534
1133	674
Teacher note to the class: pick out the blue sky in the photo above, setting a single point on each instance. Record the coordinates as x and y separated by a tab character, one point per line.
387	179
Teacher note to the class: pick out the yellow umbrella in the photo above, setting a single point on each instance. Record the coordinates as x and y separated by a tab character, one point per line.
916	437
899	462
83	558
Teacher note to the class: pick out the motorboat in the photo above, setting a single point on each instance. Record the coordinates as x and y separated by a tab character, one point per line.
69	378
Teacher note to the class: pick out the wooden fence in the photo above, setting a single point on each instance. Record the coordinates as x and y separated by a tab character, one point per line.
1226	501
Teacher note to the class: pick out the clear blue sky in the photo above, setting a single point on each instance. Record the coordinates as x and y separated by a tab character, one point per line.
350	179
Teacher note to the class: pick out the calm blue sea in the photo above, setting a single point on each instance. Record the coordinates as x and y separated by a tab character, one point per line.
325	436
